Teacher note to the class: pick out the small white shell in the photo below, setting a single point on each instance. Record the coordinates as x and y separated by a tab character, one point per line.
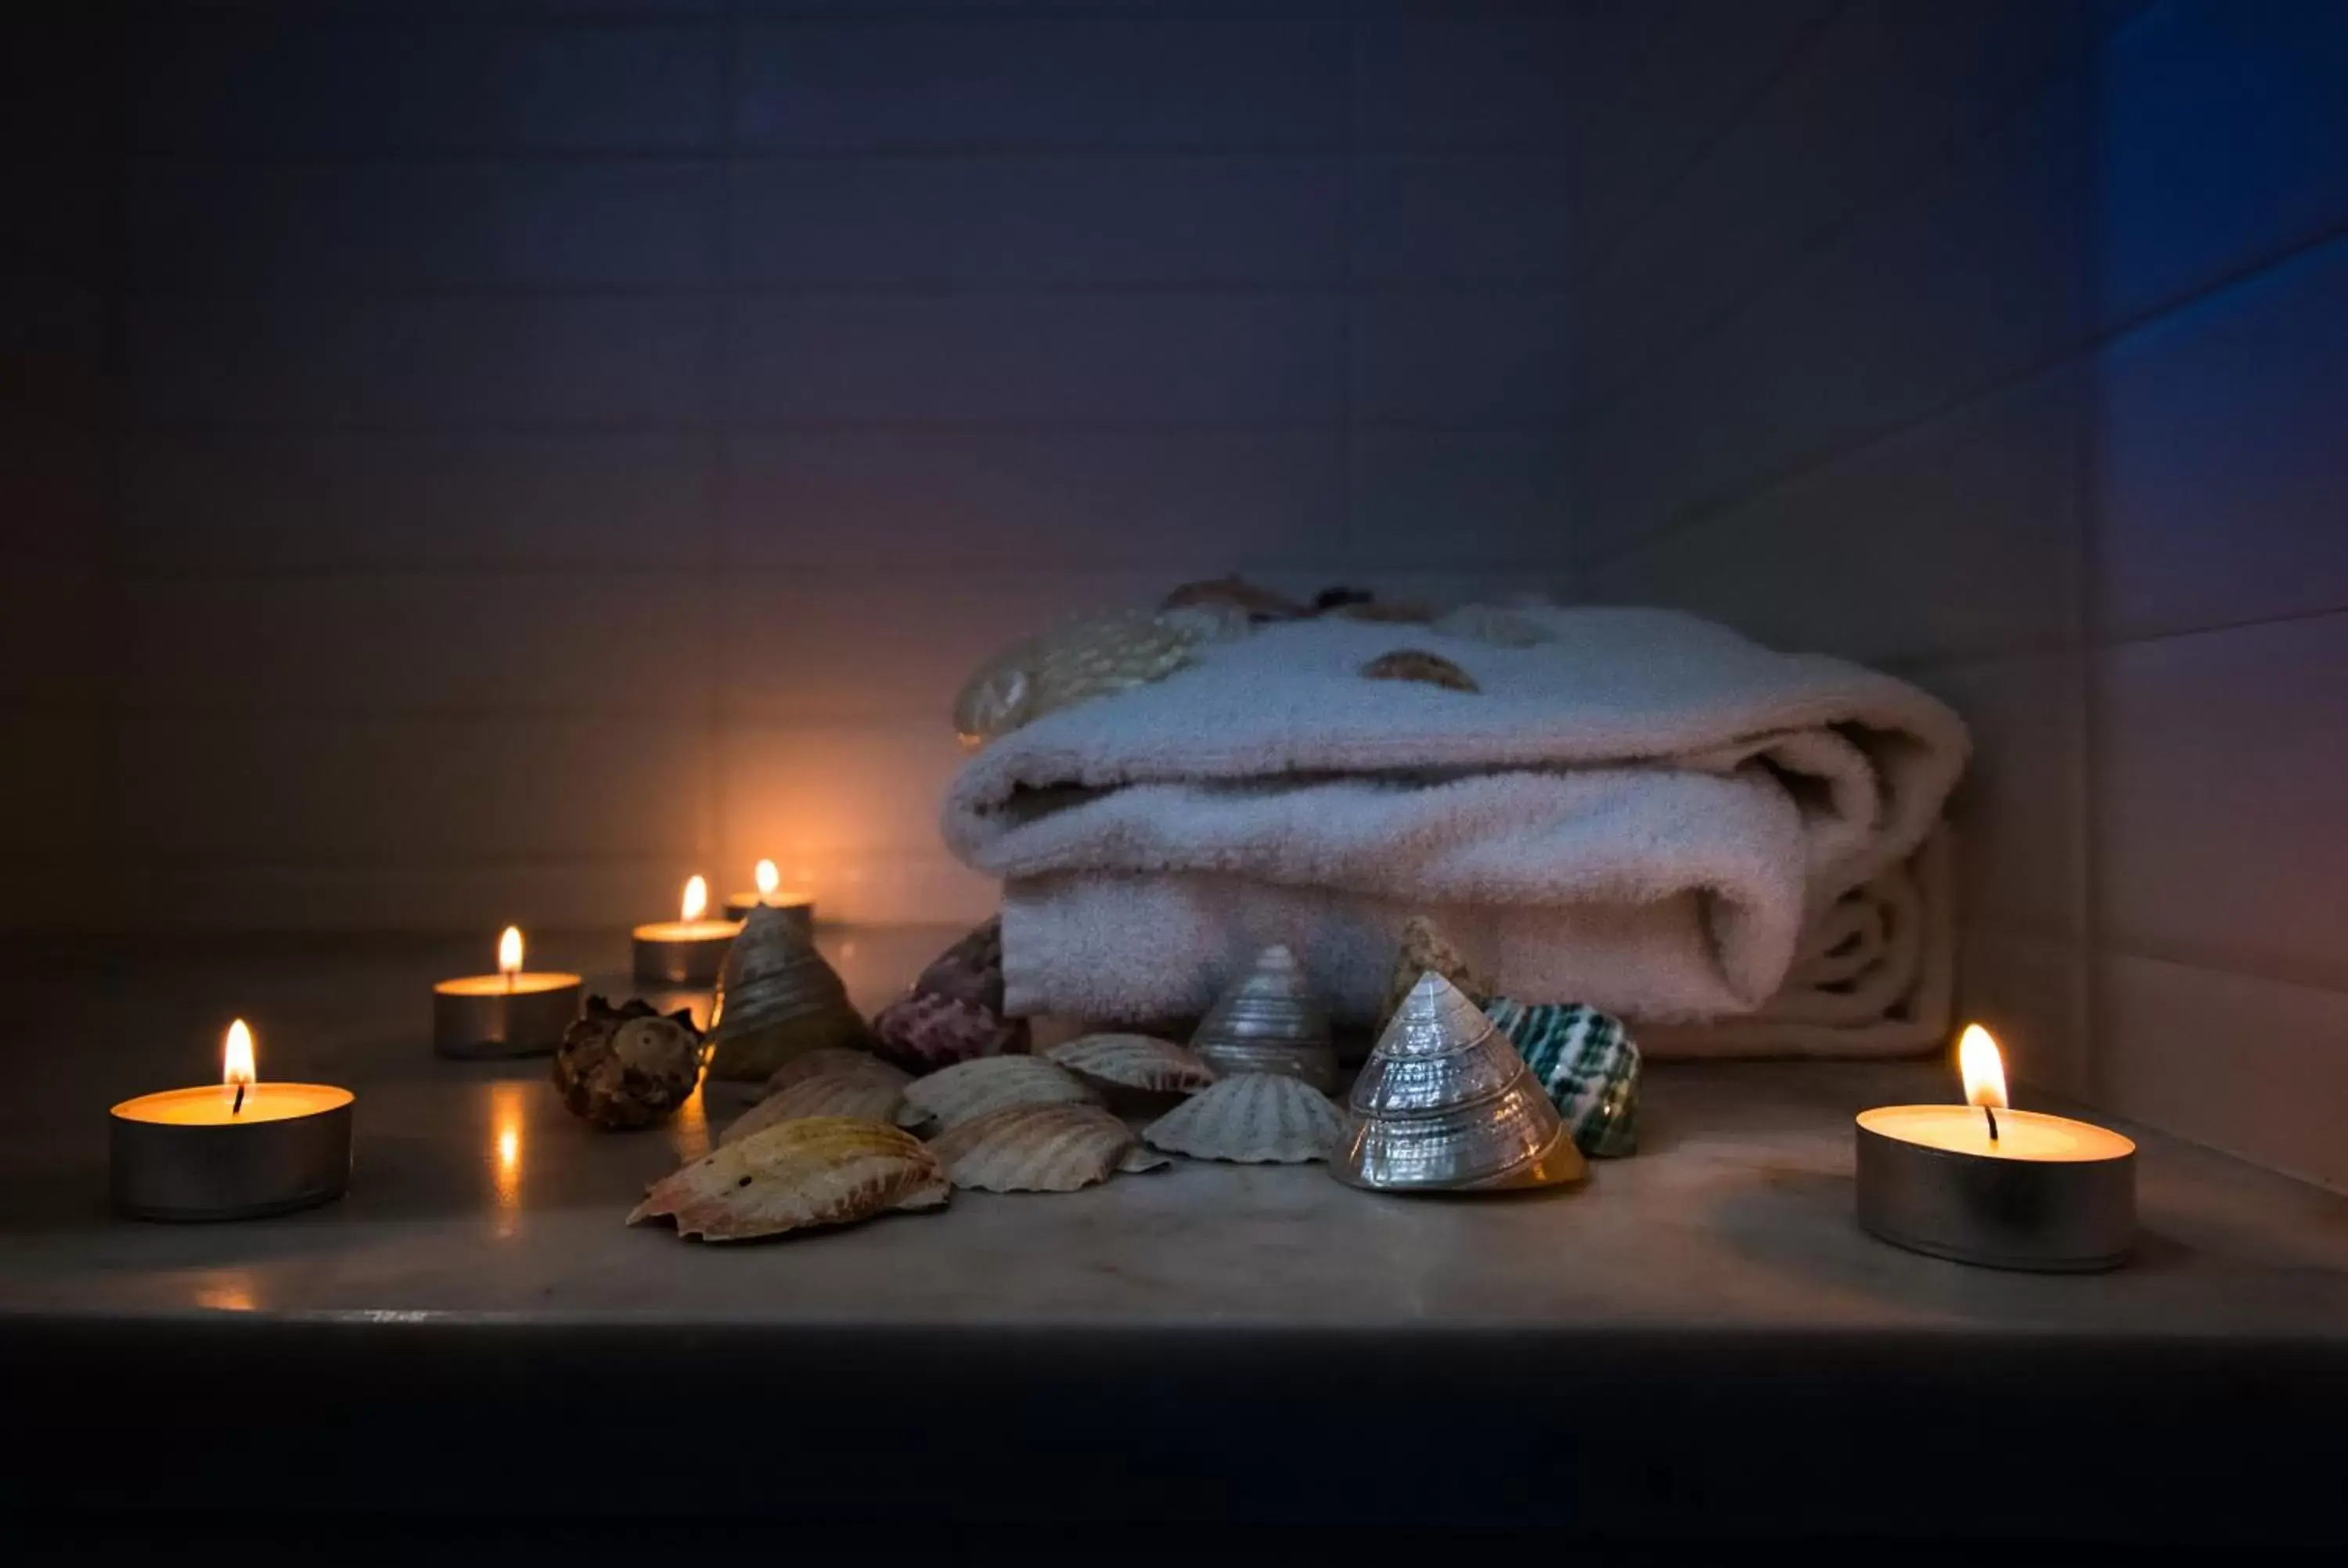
1034	1149
969	1089
1141	1062
850	1092
1254	1118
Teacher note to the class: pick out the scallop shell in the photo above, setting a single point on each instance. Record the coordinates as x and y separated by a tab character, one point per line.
819	1170
852	1093
1270	1021
1071	663
1034	1149
1418	664
969	1089
836	1062
1256	1118
1140	1061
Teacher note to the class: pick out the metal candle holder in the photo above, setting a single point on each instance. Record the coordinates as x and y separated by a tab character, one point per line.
165	1168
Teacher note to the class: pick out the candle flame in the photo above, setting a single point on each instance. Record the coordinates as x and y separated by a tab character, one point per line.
768	878
696	899
509	951
1983	1067
236	1055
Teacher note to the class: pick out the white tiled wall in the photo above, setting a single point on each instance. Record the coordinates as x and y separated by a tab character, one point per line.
2004	342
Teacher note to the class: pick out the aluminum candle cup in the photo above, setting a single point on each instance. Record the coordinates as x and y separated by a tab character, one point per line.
798	907
487	1016
195	1154
2048	1194
688	950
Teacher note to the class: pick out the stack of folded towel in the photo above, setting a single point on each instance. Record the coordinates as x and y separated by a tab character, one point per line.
1633	808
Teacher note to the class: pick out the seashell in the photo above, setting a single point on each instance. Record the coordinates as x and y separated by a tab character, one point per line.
818	1170
1493	624
1072	663
852	1094
1238	593
1270	1021
1034	1149
1141	1159
1140	1061
1589	1064
1395	612
837	1062
970	970
971	1089
1446	1105
1418	664
923	1033
1254	1118
628	1066
1424	949
776	1000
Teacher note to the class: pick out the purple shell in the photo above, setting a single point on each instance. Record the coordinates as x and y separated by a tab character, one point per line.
923	1032
970	970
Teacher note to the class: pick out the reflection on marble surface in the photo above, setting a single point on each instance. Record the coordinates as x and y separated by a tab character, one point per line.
475	1193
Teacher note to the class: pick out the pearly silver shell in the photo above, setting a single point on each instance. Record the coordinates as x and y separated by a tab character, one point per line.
1270	1021
1253	1118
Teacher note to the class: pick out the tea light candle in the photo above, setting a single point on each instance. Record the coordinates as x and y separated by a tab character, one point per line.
688	950
1981	1182
233	1151
797	902
509	1013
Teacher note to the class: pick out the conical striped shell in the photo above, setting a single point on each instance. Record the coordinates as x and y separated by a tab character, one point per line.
837	1093
1270	1021
971	1089
1140	1061
819	1170
1034	1149
1255	1118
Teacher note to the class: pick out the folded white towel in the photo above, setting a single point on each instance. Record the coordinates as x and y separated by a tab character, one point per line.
1640	809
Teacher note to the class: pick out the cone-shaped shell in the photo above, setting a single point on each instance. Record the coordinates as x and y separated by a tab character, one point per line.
776	1000
819	1170
1139	1061
1270	1021
1034	1149
1446	1105
971	1089
1254	1118
837	1093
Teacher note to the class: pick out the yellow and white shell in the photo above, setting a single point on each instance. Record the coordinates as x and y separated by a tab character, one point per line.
1071	663
969	1089
819	1171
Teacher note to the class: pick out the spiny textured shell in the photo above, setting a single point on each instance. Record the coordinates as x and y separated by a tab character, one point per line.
819	1170
1034	1149
1426	949
1140	1061
852	1093
627	1066
834	1061
925	1032
971	1089
1418	664
1069	664
1255	1118
970	970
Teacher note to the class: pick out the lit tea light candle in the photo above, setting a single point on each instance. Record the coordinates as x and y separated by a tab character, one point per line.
1982	1183
688	950
797	901
509	1013
237	1149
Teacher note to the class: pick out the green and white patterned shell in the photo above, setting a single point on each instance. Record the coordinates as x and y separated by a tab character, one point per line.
1587	1062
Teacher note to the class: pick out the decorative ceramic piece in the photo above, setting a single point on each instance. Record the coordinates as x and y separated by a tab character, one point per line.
1589	1064
1137	1061
1258	604
1418	664
1423	948
776	1000
628	1066
923	1032
1270	1021
818	1170
971	1089
970	970
852	1094
1491	623
1446	1105
837	1062
1072	663
1034	1149
1253	1118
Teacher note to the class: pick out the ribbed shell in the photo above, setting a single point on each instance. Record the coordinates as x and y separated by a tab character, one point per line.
971	1089
1071	663
1034	1149
1255	1118
837	1093
837	1062
820	1170
1140	1061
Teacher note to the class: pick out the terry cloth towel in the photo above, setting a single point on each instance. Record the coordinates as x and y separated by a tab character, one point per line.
1636	812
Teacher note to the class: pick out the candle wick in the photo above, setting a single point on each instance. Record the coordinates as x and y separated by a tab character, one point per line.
238	1108
1992	1114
